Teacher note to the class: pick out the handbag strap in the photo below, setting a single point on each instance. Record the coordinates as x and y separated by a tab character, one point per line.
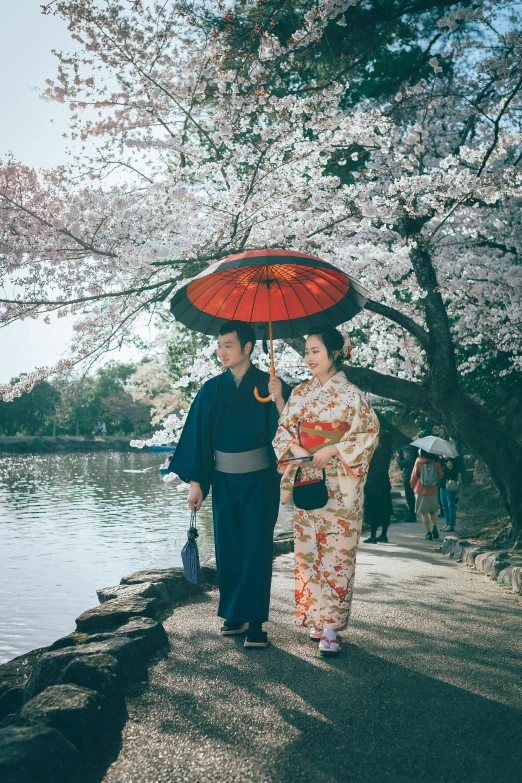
298	472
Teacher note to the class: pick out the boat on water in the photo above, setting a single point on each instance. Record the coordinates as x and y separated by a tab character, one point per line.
165	447
164	469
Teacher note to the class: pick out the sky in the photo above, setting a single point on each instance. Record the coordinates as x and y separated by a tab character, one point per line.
31	129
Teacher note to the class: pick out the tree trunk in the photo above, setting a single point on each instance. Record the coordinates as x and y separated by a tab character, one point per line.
487	437
77	428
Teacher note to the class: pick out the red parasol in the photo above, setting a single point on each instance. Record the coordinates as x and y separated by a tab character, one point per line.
289	291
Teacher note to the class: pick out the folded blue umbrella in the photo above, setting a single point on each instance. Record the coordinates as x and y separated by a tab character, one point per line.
190	554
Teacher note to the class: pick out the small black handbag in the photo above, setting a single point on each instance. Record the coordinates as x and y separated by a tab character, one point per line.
310	495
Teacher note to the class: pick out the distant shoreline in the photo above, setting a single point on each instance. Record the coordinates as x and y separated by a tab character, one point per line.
33	444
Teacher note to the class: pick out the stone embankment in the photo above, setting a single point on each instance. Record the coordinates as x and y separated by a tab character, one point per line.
498	565
20	444
62	707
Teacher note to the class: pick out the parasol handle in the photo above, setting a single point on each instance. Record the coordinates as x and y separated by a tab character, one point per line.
272	365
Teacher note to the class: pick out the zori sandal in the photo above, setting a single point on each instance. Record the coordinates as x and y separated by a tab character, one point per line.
329	644
315	633
232	629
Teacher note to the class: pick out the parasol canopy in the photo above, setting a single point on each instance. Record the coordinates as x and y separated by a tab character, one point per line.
301	292
434	445
289	292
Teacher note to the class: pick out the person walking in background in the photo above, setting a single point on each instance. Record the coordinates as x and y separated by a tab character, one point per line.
448	490
425	484
406	461
377	490
327	419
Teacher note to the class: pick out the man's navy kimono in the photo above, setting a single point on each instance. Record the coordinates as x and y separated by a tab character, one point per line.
228	418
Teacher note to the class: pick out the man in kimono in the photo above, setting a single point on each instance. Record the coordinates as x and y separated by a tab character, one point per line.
226	444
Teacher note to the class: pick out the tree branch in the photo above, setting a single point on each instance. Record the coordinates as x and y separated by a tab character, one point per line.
420	334
411	394
497	127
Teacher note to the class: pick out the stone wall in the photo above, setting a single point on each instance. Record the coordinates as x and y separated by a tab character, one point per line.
62	707
504	567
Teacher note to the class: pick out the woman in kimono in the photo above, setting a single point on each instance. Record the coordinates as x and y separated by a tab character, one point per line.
328	418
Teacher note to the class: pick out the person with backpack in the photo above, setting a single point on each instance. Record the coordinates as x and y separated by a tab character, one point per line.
424	482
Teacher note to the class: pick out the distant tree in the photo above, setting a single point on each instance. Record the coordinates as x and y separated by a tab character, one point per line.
76	410
153	385
31	414
183	347
126	416
113	404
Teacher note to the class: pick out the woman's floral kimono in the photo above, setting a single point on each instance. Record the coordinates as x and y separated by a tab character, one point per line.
326	539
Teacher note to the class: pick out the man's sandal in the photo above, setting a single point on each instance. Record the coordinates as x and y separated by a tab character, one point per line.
329	645
232	629
315	633
255	639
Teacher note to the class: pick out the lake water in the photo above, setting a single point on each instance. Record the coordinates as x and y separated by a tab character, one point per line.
72	523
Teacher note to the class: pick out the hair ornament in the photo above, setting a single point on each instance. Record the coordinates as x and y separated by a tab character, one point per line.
347	346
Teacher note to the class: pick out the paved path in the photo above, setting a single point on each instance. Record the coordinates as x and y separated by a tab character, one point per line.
428	687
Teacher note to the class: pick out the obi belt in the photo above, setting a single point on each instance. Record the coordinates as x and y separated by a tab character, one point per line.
313	437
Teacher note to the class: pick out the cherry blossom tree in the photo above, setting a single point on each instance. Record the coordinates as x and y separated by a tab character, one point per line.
180	160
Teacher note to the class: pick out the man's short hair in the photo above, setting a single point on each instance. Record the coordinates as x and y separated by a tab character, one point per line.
245	333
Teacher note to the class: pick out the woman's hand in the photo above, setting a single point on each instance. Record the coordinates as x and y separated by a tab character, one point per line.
323	456
298	451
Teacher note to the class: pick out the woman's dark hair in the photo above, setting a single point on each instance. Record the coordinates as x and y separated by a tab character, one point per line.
333	341
426	454
245	333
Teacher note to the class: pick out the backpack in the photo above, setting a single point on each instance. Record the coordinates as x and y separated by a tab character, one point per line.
429	476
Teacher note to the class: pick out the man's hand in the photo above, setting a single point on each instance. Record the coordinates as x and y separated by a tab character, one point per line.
275	388
195	496
323	456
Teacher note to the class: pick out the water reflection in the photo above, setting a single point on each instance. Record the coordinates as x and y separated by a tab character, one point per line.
71	523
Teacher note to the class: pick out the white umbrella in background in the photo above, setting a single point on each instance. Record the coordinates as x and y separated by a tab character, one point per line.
434	445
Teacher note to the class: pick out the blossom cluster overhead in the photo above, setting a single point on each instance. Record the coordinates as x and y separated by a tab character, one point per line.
176	161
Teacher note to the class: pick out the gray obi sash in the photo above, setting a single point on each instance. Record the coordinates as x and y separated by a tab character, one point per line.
242	461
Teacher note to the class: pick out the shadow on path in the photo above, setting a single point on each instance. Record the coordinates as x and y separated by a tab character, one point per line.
357	718
426	690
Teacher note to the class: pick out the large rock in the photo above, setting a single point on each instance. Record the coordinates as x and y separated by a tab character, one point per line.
283	543
459	550
173	578
80	714
108	616
495	564
50	666
448	543
37	754
516	580
13	678
10	701
505	576
70	640
100	673
471	553
491	563
144	590
149	635
480	560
